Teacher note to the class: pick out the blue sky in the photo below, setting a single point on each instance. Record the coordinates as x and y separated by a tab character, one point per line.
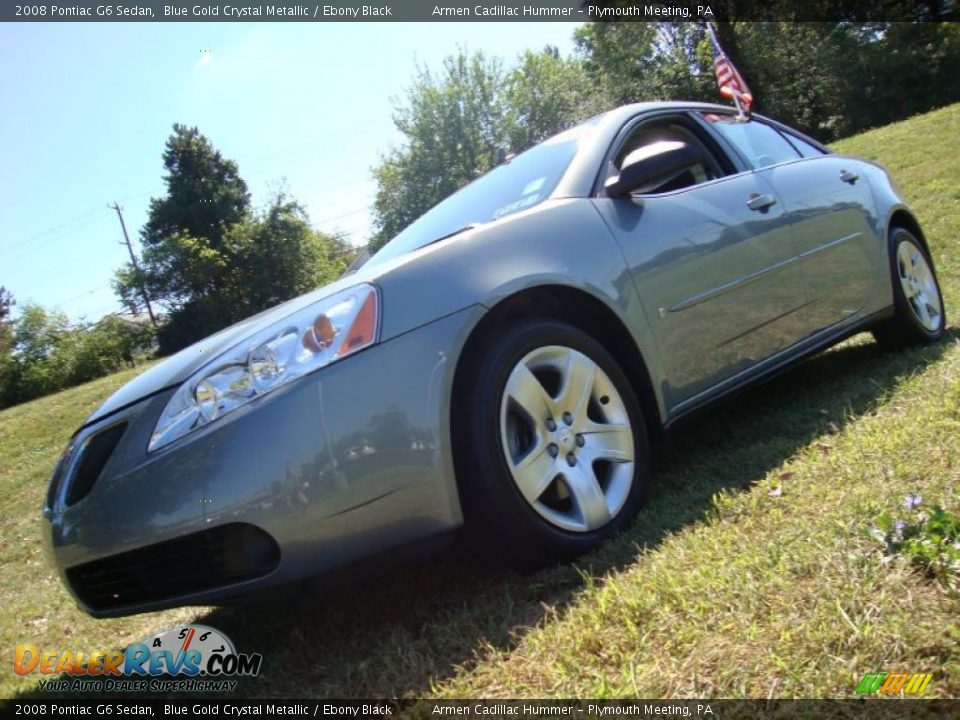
85	110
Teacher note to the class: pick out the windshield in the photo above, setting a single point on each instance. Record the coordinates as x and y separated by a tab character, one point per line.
522	183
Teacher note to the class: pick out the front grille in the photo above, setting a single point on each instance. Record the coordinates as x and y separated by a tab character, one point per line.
94	454
193	563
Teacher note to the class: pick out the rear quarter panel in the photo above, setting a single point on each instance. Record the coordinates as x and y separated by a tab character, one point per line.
888	201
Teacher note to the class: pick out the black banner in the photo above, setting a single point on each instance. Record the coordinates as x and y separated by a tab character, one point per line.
482	11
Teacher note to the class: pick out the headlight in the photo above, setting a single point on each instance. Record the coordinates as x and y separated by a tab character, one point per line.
307	340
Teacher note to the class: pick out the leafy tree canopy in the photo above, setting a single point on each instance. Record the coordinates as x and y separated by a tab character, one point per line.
459	122
453	122
205	193
209	259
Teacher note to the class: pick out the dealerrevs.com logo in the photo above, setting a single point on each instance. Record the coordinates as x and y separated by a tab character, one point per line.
187	658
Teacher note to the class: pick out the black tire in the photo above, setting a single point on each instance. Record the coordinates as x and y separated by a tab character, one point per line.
905	328
500	522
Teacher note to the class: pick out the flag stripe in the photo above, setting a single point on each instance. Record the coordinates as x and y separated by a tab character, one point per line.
729	79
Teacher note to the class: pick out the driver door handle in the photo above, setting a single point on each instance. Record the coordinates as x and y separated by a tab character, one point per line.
760	202
849	177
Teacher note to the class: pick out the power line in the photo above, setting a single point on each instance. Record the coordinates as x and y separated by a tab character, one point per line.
85	221
57	303
24	245
343	215
312	148
259	170
257	164
105	310
65	262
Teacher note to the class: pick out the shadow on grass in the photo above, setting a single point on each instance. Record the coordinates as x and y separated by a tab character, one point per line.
395	636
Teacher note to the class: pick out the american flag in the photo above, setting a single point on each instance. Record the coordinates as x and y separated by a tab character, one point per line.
731	82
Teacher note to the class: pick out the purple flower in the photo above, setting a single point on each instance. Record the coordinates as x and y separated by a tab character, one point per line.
912	501
898	527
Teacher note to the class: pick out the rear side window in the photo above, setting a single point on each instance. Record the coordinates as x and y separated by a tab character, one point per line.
761	144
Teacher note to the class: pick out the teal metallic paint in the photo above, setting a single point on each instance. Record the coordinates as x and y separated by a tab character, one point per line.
701	262
340	465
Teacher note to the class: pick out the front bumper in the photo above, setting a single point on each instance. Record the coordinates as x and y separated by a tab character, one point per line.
347	462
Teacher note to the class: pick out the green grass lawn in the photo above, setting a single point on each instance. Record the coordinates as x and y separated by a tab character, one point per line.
749	574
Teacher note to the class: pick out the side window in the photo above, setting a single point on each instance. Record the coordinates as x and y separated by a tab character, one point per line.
761	144
803	147
672	130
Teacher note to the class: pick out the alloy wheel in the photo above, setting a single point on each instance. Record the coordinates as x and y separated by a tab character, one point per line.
919	286
567	438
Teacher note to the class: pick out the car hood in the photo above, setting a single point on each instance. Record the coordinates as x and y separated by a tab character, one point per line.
175	369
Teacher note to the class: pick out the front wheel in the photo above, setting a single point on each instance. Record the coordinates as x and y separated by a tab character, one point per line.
919	315
553	456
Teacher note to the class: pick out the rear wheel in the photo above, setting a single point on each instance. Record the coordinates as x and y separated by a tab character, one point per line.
552	449
919	315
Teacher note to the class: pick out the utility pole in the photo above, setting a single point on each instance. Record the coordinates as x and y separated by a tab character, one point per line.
133	259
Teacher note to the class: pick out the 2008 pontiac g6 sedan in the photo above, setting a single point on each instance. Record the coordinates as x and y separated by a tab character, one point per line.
503	365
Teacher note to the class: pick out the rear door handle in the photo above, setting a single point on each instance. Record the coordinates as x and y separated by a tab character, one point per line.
849	177
760	202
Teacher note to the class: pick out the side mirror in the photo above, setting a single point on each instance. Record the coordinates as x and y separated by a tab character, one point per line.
650	166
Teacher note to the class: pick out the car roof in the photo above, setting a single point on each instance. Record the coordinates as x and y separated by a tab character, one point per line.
636	108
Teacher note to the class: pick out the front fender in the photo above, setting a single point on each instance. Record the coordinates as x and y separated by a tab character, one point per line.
560	242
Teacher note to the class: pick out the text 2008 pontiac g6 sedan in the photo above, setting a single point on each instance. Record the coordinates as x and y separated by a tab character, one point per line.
502	364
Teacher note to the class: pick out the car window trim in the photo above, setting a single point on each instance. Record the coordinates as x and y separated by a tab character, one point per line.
689	188
634	122
786	138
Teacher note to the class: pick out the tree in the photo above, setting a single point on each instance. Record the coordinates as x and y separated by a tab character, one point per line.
38	332
49	354
205	193
458	122
833	79
280	255
454	125
636	62
8	368
31	369
802	73
267	258
6	324
209	259
829	79
185	254
905	69
544	94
